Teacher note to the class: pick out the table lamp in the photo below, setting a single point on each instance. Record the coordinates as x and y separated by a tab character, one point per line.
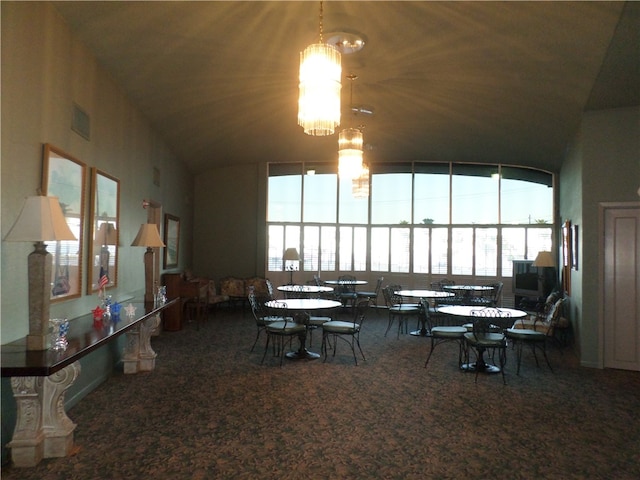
40	220
545	260
290	255
149	237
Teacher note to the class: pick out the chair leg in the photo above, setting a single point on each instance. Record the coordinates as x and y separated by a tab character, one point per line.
430	352
266	348
256	340
389	325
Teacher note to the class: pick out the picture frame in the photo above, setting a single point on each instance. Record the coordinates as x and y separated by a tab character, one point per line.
171	240
64	176
102	264
566	256
574	247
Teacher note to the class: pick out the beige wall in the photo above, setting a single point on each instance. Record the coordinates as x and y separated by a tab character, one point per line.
45	70
603	165
229	221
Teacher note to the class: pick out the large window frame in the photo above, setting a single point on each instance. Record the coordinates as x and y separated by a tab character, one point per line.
411	241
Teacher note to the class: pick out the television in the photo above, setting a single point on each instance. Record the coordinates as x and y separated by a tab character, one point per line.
527	280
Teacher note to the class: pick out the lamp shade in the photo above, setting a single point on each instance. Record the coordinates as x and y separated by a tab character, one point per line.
292	255
40	220
148	236
544	259
106	234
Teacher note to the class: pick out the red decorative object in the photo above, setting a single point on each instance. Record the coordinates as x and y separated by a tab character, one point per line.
97	313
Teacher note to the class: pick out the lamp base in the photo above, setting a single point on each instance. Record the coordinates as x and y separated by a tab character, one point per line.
148	275
39	262
38	342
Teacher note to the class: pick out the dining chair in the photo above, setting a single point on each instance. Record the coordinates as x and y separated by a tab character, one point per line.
348	331
442	334
535	331
372	295
346	292
282	331
260	314
486	336
397	309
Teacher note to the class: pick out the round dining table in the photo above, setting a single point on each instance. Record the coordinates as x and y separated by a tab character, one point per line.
345	282
303	305
466	311
467	290
304	289
427	294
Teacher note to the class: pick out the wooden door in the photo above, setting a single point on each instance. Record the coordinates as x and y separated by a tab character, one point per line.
621	286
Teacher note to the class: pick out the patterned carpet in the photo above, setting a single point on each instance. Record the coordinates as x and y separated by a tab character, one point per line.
211	411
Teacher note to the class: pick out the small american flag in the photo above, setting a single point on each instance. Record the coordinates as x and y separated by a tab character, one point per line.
104	279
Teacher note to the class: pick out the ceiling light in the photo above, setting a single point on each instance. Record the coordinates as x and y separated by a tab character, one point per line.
350	143
319	100
350	147
346	42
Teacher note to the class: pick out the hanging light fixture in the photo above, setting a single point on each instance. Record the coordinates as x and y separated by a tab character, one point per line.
319	100
350	146
360	184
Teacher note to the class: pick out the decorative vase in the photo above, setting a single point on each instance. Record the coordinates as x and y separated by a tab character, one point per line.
59	334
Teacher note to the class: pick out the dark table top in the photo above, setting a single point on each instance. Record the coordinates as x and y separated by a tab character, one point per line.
84	337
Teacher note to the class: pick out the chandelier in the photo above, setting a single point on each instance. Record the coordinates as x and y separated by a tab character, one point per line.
319	99
350	147
350	143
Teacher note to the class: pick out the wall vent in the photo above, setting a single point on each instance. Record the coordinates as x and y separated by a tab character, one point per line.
80	122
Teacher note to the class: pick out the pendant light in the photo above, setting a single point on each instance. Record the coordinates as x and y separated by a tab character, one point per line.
319	88
350	146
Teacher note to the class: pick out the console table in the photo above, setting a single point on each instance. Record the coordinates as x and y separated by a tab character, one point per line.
40	379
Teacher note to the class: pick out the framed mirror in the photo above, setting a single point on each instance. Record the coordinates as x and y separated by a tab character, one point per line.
65	177
105	226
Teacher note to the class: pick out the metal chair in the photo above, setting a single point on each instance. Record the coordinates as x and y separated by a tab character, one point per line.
397	309
442	334
486	336
373	296
347	331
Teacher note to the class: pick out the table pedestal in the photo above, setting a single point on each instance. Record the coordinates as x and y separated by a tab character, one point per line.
302	353
138	354
42	429
423	332
481	365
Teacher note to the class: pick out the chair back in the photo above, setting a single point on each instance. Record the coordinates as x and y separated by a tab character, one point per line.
437	286
393	294
485	319
552	317
362	307
378	285
269	289
280	310
257	307
349	286
497	293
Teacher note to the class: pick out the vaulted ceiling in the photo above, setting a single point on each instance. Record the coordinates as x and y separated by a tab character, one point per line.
448	81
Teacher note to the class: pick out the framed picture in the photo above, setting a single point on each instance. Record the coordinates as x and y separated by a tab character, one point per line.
171	240
103	246
64	177
566	256
574	247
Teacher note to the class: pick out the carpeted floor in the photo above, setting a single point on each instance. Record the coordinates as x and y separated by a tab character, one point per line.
211	411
